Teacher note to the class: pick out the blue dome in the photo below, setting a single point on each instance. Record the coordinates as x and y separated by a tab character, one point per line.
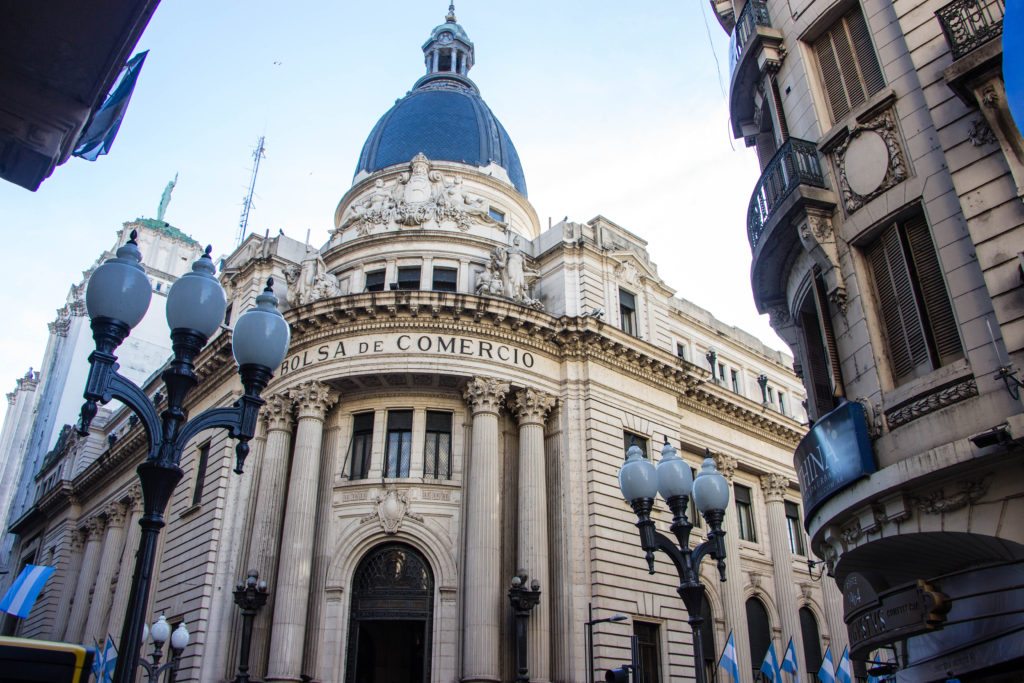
445	118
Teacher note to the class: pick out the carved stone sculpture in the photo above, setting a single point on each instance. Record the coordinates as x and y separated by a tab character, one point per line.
508	275
310	281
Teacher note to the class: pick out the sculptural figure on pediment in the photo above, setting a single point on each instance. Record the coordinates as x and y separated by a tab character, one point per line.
461	206
310	281
373	209
509	275
418	193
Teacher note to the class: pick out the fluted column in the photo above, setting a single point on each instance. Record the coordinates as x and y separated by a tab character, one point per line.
266	525
100	607
86	578
832	599
60	620
774	487
482	583
312	400
531	409
732	592
131	544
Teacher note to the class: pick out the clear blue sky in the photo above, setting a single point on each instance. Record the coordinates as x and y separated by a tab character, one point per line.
615	108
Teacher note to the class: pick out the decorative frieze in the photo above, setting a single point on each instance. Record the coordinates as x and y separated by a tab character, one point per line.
952	498
391	511
938	399
870	160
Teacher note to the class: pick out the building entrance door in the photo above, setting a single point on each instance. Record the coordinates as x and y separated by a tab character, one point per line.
391	620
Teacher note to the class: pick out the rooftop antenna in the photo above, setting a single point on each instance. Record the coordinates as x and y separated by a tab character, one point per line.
243	223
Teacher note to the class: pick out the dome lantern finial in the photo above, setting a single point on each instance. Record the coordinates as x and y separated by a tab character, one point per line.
448	50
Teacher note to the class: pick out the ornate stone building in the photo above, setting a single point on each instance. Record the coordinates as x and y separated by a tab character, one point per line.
455	405
886	232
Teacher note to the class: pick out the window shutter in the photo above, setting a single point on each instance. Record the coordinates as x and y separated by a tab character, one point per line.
867	60
903	329
932	286
828	337
848	65
816	366
832	78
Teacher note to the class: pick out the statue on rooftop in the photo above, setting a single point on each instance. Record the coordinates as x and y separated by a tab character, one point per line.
165	198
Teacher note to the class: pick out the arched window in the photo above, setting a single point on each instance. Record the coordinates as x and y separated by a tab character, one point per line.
391	620
760	633
707	630
812	641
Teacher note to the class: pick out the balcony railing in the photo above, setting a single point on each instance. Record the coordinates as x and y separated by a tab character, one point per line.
796	163
968	24
754	14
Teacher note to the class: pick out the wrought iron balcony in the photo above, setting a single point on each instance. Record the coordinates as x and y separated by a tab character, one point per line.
796	163
968	24
754	14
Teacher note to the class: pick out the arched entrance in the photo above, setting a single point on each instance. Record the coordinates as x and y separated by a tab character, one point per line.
391	619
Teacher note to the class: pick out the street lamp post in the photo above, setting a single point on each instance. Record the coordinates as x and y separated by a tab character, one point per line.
159	634
250	595
640	482
589	625
117	297
523	600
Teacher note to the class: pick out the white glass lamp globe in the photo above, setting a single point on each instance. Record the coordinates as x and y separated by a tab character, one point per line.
119	289
674	475
160	631
261	335
710	489
196	301
179	639
638	477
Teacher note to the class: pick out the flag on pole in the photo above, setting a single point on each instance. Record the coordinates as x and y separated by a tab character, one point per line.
21	596
770	665
789	664
844	671
827	672
99	136
728	659
106	674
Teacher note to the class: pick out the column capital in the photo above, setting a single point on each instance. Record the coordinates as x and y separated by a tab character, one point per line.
278	413
531	406
94	528
313	399
116	514
774	487
484	394
726	464
77	541
135	498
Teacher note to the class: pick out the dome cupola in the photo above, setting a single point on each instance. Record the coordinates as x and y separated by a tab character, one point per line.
443	117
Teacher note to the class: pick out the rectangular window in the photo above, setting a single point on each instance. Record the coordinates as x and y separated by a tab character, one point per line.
693	512
399	444
744	513
796	534
409	277
681	350
721	372
630	438
821	374
498	216
437	450
445	279
362	445
201	461
849	66
649	655
920	330
627	312
771	395
735	377
782	402
375	281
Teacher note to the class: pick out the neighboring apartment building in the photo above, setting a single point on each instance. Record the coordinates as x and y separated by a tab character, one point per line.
455	406
46	402
886	231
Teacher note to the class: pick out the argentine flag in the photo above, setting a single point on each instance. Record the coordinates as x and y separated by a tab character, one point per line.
789	664
728	659
827	672
105	662
22	594
770	665
844	672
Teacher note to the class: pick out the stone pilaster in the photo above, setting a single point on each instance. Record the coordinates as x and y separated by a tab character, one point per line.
74	564
86	577
531	409
312	400
732	594
111	556
124	574
832	602
267	518
774	487
483	612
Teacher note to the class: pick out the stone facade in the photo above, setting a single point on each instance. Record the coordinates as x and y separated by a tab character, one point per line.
454	408
886	232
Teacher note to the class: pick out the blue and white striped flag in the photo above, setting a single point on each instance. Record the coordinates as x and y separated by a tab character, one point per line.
789	664
770	665
827	672
728	659
22	594
844	672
